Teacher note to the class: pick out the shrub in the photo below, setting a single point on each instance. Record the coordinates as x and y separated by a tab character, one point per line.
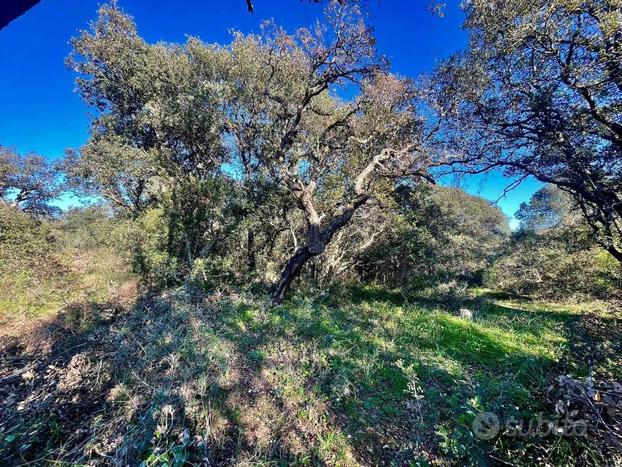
450	294
24	241
439	235
546	265
209	273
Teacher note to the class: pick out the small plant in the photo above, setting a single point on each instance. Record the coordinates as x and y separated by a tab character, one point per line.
451	294
210	273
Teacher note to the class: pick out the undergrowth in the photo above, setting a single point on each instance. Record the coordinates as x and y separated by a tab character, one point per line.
73	276
358	377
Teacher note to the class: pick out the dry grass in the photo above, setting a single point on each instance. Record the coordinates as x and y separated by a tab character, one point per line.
33	296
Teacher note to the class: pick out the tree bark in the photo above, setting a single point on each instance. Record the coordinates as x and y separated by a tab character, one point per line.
291	270
318	239
617	254
320	232
250	251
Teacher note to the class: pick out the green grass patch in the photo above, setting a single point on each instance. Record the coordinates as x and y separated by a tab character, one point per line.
364	376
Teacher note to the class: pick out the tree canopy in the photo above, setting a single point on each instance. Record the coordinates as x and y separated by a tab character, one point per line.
539	93
264	108
28	182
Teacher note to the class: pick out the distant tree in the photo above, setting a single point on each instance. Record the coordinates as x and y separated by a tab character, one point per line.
28	183
539	93
548	207
553	255
437	235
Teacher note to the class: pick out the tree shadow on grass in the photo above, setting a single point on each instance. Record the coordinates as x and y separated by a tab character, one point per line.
368	391
46	379
128	387
313	381
359	294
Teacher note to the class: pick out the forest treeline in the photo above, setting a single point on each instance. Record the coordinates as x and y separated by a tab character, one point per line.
300	155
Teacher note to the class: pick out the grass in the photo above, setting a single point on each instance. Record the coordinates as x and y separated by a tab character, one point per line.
356	377
71	276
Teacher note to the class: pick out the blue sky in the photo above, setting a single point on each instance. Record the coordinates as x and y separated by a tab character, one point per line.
40	111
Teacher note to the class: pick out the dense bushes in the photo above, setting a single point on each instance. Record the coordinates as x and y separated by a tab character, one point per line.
546	265
24	241
554	255
46	263
440	236
426	240
212	234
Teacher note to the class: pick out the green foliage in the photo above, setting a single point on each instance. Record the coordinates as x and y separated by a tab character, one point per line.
554	255
441	235
202	216
147	238
549	265
548	207
210	273
28	182
46	264
26	262
86	228
24	241
158	119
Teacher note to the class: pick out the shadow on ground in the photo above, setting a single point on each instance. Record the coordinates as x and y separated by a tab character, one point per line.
364	379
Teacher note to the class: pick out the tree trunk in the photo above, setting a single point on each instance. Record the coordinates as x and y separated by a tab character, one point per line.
617	254
318	239
250	251
292	269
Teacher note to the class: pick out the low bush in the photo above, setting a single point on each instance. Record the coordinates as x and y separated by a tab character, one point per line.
548	266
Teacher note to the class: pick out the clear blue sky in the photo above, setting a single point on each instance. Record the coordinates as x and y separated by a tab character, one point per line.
40	111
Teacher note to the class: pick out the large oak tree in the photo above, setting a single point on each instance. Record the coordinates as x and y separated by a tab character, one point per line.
264	111
329	153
